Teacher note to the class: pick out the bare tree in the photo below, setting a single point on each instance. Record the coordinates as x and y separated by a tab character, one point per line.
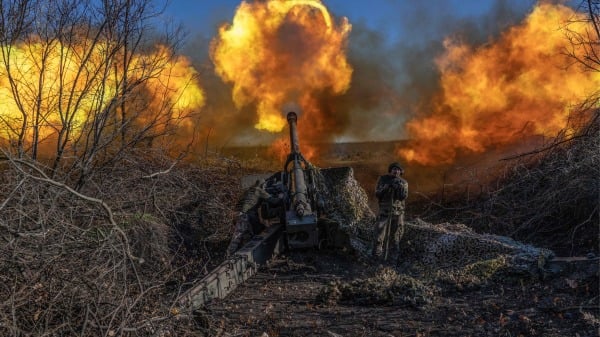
85	81
583	33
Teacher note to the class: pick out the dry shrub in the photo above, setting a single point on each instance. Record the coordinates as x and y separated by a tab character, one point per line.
73	266
385	287
548	197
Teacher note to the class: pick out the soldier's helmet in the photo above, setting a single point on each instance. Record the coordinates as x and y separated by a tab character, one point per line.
396	165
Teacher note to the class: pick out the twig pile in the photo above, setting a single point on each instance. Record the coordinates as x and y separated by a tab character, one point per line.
106	261
385	287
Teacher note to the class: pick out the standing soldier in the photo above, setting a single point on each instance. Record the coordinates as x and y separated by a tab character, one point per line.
391	191
248	207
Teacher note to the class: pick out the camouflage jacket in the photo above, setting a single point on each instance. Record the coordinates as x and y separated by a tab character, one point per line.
391	192
251	198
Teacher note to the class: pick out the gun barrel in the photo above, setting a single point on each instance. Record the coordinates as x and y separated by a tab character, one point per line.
300	200
292	119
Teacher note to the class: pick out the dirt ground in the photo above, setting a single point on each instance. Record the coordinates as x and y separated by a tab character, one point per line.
299	295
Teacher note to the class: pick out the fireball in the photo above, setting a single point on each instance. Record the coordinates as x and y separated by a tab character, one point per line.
281	51
520	85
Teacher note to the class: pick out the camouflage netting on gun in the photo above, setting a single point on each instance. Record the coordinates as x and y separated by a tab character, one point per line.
346	202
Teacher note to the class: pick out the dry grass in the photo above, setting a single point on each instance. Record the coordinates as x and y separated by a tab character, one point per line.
549	196
109	259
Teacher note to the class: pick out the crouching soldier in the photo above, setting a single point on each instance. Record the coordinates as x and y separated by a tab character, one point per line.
391	192
247	218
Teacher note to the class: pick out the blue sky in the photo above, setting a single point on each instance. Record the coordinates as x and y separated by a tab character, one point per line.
385	16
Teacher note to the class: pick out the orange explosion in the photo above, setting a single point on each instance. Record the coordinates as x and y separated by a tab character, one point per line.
280	51
518	86
54	82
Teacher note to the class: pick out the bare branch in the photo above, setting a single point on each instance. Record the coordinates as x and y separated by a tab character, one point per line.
44	178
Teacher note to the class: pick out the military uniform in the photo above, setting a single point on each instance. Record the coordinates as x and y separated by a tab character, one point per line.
248	215
391	192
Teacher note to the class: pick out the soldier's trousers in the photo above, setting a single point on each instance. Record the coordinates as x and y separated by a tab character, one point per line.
388	238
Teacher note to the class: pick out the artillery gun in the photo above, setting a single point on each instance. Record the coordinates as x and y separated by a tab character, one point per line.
294	217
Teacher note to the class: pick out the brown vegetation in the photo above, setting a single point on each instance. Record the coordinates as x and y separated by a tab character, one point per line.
110	259
548	197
